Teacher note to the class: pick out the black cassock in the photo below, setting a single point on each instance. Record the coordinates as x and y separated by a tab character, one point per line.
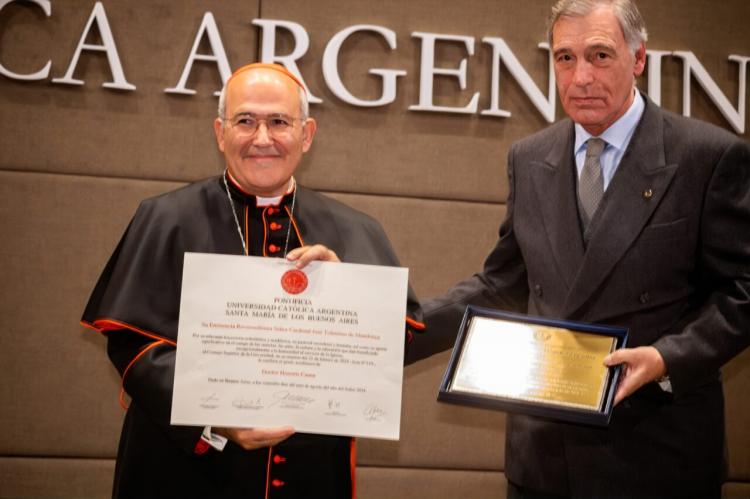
136	304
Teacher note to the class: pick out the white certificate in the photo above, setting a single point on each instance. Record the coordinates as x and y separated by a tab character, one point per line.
262	344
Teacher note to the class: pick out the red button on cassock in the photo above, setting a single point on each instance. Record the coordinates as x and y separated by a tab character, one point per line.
277	483
201	447
279	459
273	248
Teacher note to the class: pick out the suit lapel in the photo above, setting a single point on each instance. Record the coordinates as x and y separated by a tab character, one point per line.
638	186
554	185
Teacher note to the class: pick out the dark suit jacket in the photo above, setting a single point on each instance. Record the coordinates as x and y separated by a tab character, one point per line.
668	258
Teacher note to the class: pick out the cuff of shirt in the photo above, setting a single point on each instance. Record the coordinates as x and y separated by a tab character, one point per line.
216	441
665	384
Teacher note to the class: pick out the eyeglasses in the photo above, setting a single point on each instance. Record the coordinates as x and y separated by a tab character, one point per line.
248	123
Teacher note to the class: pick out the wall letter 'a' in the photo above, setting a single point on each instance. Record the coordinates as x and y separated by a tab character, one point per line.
218	55
98	16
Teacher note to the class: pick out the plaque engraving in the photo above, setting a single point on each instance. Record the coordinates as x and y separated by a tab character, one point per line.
531	365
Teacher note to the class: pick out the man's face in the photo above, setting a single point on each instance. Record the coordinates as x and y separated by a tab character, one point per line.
594	68
263	161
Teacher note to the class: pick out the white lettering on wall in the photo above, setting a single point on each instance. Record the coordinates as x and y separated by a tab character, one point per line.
331	68
42	73
218	55
98	16
501	51
428	71
301	44
502	55
692	66
654	58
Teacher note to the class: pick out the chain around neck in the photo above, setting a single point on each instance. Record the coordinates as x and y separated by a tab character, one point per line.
237	221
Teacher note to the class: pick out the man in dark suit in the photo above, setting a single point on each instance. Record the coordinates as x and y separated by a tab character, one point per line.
629	215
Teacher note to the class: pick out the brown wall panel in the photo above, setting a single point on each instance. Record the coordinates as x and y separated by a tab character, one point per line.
406	483
441	242
59	230
392	149
76	160
438	435
736	374
388	150
43	477
713	31
52	266
88	129
733	490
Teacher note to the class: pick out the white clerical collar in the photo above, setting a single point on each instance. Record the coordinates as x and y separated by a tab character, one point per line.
261	201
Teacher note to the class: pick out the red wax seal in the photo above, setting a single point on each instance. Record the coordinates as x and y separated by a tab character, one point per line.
294	281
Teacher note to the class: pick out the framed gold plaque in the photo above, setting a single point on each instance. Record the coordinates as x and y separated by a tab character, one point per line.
541	367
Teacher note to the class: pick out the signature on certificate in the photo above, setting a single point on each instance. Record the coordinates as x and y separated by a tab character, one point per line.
334	408
209	402
373	413
288	400
244	404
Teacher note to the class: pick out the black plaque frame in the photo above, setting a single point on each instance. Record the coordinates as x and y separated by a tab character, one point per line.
540	409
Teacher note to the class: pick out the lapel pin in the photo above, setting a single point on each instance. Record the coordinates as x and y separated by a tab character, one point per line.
647	194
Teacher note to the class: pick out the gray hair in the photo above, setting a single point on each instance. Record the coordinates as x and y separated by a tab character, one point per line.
627	14
304	105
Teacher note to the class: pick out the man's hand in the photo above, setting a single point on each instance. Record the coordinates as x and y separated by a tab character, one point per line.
255	438
307	254
641	365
